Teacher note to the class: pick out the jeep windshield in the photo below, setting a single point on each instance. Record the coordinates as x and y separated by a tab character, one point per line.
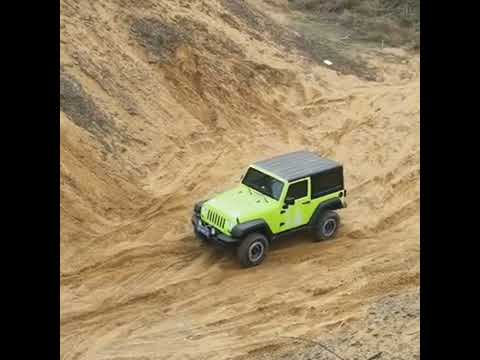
263	183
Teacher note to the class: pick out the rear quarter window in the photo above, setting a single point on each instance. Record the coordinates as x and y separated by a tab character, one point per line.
327	182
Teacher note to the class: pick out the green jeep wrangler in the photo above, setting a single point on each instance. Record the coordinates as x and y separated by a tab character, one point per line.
291	192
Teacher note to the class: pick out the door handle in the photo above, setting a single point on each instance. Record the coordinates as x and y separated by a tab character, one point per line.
306	202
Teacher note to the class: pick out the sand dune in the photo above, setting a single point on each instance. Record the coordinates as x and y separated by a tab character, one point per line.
166	103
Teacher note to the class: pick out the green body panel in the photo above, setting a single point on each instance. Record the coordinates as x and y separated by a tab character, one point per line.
242	204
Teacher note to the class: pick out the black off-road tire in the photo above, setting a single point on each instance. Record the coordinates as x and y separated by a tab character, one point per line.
252	250
326	226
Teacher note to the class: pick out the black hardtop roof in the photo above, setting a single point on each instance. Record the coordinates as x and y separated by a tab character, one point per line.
296	165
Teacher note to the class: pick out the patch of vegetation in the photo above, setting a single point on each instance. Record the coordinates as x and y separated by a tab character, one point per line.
159	38
81	109
391	22
243	11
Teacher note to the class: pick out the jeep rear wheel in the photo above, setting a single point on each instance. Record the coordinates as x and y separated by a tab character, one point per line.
327	226
252	250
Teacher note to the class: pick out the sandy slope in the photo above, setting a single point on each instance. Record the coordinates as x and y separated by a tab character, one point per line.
166	103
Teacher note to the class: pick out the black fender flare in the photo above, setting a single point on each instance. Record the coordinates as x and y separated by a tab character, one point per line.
331	204
198	206
241	230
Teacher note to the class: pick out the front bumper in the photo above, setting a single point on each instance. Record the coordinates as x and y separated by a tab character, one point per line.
218	238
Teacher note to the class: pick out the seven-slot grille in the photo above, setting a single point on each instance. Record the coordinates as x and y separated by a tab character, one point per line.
216	219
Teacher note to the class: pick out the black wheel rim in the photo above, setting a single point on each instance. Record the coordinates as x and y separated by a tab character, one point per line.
329	227
255	251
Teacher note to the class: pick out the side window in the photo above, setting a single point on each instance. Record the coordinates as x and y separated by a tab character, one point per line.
298	190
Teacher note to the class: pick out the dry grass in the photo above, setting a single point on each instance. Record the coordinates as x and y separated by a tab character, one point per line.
391	22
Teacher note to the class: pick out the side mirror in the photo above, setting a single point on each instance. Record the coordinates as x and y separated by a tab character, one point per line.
289	201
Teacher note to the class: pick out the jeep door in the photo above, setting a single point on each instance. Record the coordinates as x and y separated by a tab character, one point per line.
298	214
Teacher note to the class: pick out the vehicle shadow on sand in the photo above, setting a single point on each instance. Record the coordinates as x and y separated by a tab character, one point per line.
226	257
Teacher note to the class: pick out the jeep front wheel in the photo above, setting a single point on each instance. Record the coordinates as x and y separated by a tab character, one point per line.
252	250
327	226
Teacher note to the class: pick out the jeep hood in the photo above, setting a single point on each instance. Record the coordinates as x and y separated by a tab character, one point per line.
243	203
